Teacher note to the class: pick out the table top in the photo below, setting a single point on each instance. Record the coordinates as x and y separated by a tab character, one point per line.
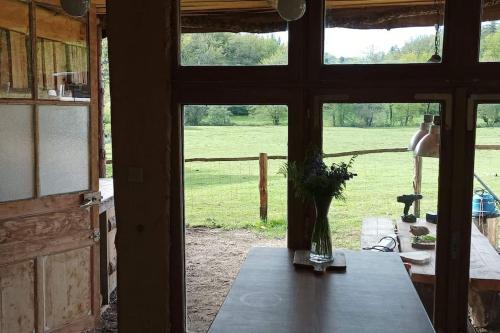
374	294
484	259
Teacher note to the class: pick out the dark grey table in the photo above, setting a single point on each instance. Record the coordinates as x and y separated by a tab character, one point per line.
374	295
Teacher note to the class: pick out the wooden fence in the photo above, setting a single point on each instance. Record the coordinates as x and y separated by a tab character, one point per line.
263	159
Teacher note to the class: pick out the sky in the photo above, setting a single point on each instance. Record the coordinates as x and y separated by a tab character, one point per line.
350	43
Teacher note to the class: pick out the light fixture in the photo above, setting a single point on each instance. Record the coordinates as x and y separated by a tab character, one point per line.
436	58
76	8
429	145
423	131
291	10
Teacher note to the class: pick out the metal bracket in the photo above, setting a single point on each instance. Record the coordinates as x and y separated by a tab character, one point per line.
91	199
447	99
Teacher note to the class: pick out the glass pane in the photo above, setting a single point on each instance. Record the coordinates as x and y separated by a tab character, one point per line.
391	176
16	152
385	33
232	33
15	80
63	148
490	32
225	216
62	55
484	258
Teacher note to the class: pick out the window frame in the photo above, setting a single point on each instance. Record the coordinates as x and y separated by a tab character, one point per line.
306	82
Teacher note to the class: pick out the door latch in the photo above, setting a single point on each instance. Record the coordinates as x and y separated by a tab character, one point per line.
91	199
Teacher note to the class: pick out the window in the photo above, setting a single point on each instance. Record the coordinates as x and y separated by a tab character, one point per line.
62	55
234	196
383	34
218	34
385	173
17	152
490	33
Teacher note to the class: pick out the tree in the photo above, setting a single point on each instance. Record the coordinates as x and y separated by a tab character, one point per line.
203	49
240	110
276	113
194	114
490	47
329	111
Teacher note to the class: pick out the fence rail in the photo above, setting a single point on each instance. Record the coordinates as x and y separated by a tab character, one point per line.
263	166
341	154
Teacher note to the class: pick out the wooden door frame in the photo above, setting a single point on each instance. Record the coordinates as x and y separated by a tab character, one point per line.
305	78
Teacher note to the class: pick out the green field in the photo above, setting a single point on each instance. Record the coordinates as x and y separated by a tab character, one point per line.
226	195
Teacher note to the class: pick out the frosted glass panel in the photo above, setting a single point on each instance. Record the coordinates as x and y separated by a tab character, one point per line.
64	149
16	152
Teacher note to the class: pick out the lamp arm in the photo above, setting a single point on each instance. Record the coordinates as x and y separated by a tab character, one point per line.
487	188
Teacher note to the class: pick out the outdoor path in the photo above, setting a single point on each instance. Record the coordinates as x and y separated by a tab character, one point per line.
213	259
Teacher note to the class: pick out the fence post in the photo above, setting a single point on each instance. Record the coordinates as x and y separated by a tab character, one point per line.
417	184
263	185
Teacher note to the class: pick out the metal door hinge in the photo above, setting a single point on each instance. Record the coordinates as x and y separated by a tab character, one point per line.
95	235
91	199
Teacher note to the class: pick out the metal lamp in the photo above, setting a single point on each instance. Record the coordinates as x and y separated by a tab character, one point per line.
436	58
423	131
76	8
429	145
291	10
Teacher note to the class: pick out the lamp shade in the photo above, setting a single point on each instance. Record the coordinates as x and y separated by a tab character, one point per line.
423	131
291	10
76	8
435	59
429	145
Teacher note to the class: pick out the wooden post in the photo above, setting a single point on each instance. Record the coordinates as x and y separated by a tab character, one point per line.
417	184
263	185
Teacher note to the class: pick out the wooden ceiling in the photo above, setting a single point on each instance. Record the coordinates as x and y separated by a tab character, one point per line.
261	15
204	6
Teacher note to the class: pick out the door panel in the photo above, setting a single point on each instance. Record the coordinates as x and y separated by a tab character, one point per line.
17	151
17	298
67	280
28	237
63	149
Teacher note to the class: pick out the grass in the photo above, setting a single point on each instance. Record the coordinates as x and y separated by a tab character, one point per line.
226	195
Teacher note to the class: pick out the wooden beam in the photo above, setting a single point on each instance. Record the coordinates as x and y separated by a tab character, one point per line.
146	155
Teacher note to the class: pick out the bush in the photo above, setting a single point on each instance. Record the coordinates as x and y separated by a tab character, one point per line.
218	116
194	114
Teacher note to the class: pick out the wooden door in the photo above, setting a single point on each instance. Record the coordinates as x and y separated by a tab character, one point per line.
49	232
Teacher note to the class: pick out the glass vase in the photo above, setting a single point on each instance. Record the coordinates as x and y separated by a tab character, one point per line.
321	240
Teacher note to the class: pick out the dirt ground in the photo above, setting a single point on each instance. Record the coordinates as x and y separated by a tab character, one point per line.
213	259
